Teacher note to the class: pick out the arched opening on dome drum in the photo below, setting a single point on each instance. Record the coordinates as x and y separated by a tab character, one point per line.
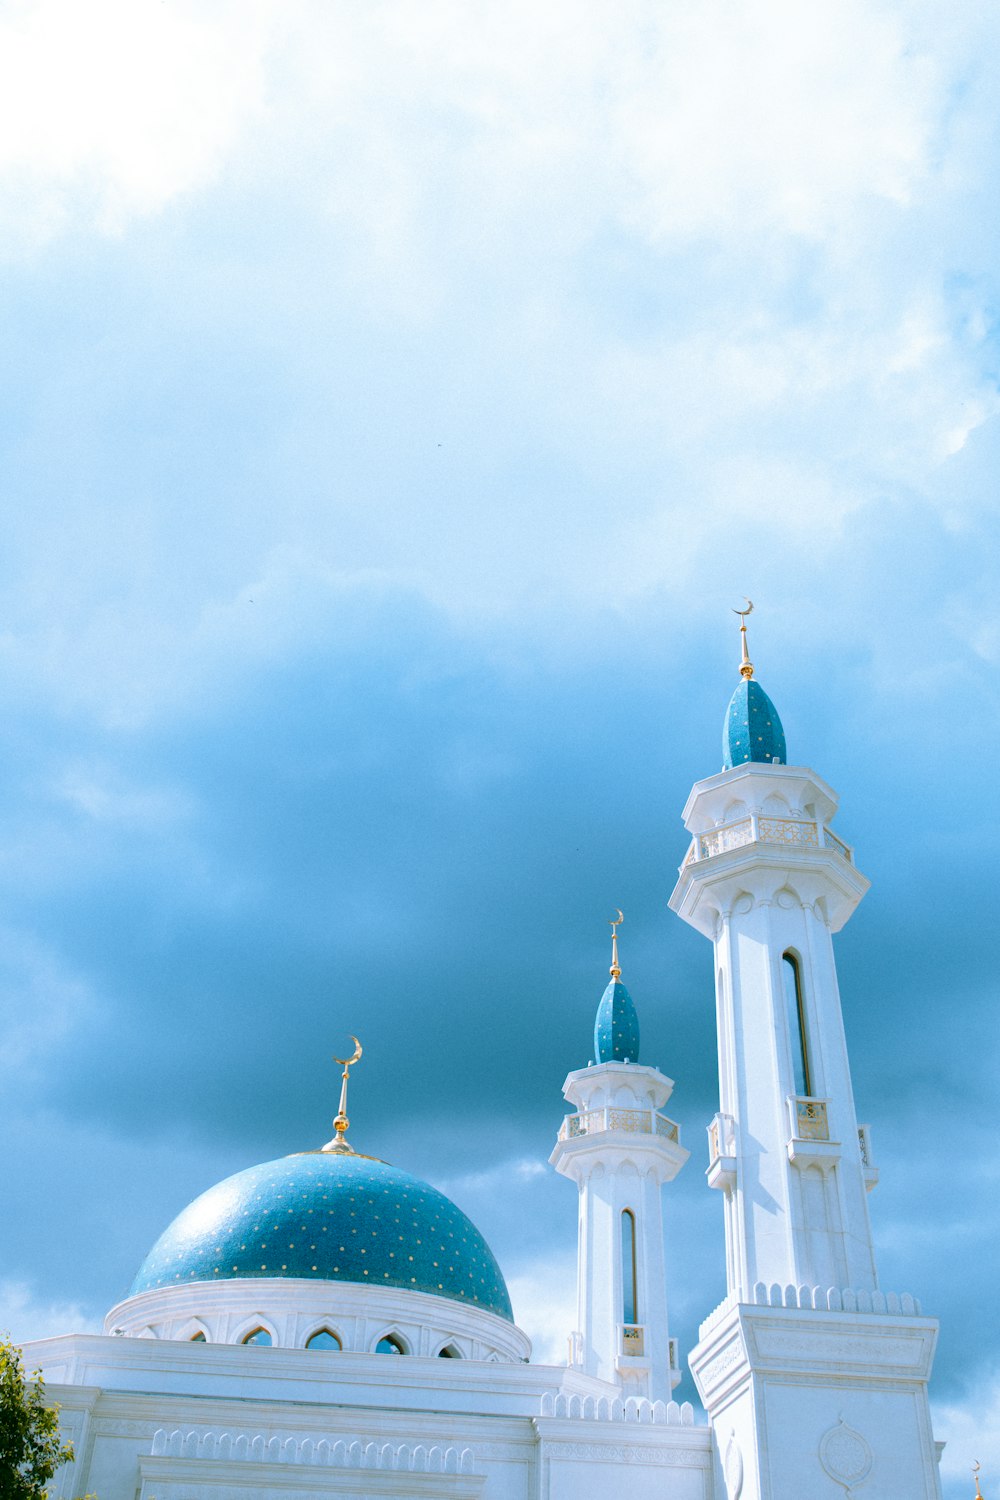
198	1338
323	1338
389	1343
795	1013
449	1352
258	1336
630	1303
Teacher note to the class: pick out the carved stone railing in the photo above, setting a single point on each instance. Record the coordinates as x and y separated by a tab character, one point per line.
836	1299
633	1121
809	1119
262	1447
616	1409
633	1339
802	833
817	1298
721	1137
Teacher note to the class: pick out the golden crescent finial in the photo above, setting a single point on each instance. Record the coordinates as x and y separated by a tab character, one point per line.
746	665
341	1122
978	1495
348	1062
614	924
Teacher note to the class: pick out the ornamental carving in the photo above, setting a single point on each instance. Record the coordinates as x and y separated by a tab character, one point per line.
873	1352
113	1427
732	1468
723	1362
845	1455
671	1458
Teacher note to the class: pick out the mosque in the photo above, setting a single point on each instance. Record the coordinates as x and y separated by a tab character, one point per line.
327	1324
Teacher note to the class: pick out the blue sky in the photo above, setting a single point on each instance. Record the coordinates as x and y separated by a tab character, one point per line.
395	401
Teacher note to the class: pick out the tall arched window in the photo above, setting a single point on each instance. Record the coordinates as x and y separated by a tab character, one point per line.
630	1304
796	1023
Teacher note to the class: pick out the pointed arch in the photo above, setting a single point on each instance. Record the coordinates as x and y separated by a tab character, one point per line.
257	1324
391	1341
194	1331
324	1337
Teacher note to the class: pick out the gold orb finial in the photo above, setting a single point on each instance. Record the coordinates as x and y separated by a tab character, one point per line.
339	1142
614	924
746	665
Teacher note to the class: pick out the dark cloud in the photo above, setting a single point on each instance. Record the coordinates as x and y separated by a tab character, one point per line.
403	838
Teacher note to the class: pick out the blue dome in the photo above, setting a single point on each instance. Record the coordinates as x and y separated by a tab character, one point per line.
616	1030
752	730
329	1217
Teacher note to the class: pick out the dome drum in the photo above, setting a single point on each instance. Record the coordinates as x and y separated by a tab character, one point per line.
292	1311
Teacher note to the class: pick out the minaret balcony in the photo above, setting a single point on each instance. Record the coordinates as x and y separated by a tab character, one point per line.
593	1122
809	1125
797	833
722	1152
633	1340
868	1168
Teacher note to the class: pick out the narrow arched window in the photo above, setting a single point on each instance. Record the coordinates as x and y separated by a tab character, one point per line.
630	1304
323	1338
795	1014
449	1352
258	1336
390	1344
198	1338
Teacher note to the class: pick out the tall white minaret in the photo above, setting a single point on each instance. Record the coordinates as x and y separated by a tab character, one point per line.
620	1150
769	883
807	1365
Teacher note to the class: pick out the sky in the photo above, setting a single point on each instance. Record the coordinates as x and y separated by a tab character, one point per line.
395	401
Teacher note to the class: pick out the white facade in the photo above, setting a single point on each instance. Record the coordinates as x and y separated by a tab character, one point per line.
813	1379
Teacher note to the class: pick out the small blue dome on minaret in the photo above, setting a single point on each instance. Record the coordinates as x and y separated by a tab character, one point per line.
616	1029
752	730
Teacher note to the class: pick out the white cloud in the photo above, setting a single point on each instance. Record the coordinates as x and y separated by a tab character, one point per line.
543	1294
103	795
790	187
110	109
26	1316
971	1432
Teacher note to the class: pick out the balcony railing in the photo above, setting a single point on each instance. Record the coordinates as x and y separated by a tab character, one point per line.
809	1120
633	1341
799	833
721	1137
633	1121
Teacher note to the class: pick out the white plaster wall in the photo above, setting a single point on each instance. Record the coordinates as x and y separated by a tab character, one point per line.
173	1421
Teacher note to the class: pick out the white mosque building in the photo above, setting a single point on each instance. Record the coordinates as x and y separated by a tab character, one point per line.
249	1358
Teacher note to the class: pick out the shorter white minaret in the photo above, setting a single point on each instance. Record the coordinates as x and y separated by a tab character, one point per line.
620	1150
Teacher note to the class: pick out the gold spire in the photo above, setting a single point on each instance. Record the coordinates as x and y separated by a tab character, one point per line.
746	665
614	924
340	1124
979	1494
